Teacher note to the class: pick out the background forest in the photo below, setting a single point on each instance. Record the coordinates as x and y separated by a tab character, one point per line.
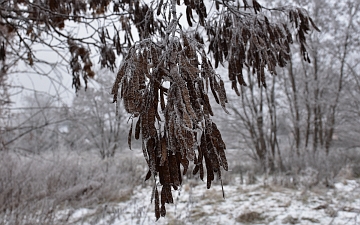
65	158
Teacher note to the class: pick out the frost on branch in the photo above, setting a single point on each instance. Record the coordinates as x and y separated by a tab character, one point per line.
244	39
166	73
238	32
164	82
173	120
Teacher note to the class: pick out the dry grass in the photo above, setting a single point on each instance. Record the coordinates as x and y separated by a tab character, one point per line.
33	189
250	217
290	220
197	216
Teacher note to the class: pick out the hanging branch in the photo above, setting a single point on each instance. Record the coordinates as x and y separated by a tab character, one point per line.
165	73
165	85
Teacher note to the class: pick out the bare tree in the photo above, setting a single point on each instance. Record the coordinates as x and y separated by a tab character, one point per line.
35	127
254	122
95	121
316	114
316	102
4	86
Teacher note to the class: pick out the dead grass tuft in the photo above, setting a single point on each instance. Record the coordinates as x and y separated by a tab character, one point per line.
250	217
290	220
35	189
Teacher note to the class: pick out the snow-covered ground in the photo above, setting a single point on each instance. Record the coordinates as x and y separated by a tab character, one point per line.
243	204
82	189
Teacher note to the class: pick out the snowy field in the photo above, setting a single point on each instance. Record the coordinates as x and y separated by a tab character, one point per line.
243	204
78	189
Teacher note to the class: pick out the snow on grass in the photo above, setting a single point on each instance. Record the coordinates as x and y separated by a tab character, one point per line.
84	190
244	204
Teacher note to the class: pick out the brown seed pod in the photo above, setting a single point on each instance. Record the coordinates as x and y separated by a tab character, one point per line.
157	204
130	135
150	147
164	174
175	174
164	150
